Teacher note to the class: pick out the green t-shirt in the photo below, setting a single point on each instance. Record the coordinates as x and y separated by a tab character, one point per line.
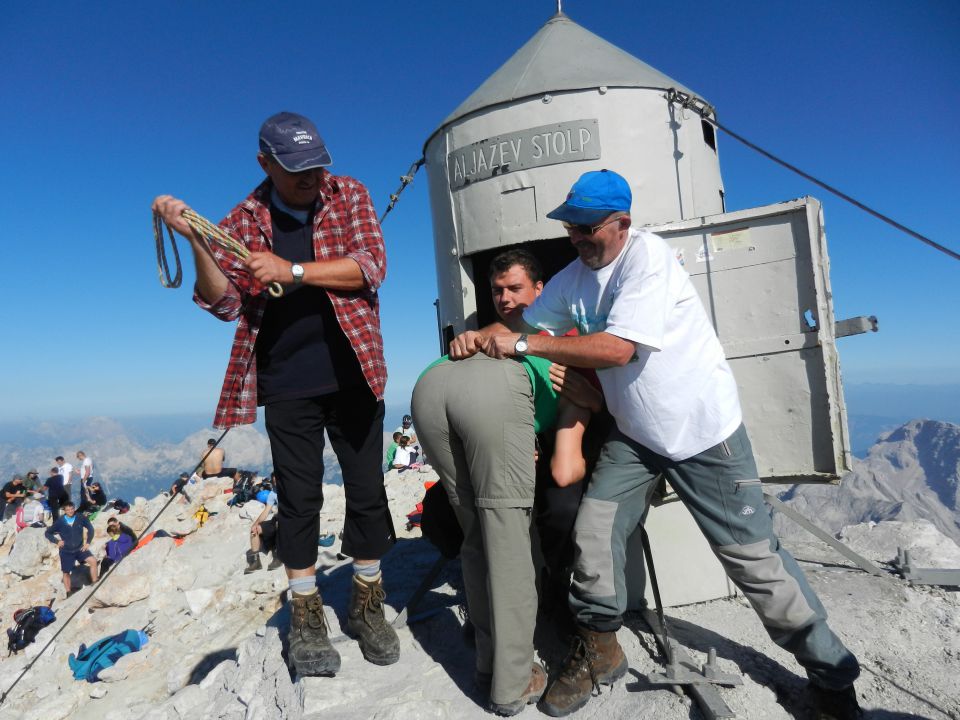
391	454
545	398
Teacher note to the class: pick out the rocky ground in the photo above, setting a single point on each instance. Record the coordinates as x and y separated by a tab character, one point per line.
216	649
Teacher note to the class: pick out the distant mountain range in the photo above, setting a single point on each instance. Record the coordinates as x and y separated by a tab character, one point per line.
131	466
912	472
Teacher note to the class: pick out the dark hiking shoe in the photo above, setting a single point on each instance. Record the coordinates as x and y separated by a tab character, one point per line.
253	562
595	659
532	693
365	621
275	562
835	704
310	650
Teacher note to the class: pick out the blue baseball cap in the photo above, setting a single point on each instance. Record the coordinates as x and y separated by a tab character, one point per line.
294	141
594	196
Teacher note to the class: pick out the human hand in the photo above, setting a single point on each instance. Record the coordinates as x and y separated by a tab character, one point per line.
171	210
466	344
575	388
269	268
256	530
500	346
60	544
84	547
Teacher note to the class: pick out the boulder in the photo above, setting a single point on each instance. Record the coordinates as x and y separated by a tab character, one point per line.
30	549
121	591
147	560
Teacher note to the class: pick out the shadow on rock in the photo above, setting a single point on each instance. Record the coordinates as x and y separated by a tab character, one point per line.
208	662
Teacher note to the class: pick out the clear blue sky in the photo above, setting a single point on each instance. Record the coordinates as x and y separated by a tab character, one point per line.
106	105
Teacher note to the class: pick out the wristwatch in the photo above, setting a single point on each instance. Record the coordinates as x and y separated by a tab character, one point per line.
521	347
297	271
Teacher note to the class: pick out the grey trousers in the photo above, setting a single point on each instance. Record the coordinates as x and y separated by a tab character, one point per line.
474	419
721	488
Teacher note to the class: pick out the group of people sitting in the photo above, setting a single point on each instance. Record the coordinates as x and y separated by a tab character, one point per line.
404	452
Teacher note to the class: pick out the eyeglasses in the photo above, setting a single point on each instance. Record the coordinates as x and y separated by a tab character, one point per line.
586	229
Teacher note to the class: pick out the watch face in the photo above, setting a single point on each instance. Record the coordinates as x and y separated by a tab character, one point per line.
521	346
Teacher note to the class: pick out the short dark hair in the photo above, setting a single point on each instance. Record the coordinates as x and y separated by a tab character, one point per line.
524	258
211	442
68	503
59	457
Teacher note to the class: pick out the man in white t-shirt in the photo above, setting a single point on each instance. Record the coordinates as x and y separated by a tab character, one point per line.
66	472
677	411
85	472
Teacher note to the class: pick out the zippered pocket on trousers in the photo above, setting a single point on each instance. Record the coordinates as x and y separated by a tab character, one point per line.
747	483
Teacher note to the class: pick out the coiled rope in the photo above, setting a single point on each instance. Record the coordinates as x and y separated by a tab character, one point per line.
209	232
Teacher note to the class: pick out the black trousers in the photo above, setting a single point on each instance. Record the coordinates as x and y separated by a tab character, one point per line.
353	419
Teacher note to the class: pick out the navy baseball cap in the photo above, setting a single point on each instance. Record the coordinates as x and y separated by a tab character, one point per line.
594	196
294	141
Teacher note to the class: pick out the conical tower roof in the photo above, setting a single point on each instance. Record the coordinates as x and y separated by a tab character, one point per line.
563	56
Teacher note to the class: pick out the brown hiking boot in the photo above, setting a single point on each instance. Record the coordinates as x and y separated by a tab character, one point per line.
378	640
595	659
533	692
253	562
310	650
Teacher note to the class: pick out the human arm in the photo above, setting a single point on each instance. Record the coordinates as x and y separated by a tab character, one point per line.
575	388
212	283
51	533
351	258
596	350
567	465
255	528
86	532
341	274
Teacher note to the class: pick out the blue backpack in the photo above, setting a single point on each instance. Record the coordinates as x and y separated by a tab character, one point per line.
29	622
89	661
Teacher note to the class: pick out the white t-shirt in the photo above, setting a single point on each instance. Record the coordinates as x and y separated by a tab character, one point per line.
65	471
409	432
86	469
677	396
403	456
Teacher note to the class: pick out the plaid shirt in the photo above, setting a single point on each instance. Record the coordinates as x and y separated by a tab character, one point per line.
345	225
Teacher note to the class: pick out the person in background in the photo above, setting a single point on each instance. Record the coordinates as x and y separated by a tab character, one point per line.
86	470
72	534
94	499
66	472
177	487
57	495
392	449
118	546
14	493
404	456
263	536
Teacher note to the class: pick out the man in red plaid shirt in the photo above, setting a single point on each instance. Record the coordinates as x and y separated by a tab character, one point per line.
314	359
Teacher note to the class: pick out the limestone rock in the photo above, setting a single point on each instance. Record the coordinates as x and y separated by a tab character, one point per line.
98	691
30	549
122	591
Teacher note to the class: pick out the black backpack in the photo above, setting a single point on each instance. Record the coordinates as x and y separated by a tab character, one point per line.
243	489
28	623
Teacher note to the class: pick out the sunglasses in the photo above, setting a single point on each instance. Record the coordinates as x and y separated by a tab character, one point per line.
587	229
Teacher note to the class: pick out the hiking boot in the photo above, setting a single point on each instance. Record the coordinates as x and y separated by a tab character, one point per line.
275	562
535	688
835	704
595	659
253	562
378	640
310	650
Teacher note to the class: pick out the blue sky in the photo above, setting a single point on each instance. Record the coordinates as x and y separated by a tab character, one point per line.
106	105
